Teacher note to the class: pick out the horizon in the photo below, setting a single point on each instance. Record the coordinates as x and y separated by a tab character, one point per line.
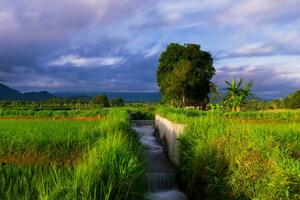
63	94
112	46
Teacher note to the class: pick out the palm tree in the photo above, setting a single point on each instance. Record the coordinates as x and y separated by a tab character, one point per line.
237	95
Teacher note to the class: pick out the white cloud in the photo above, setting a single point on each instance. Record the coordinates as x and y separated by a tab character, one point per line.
79	61
251	12
254	49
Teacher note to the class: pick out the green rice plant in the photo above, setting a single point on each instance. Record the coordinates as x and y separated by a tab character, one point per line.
54	138
180	115
228	156
110	166
52	113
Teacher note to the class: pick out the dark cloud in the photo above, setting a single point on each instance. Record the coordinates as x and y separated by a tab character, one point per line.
115	45
268	82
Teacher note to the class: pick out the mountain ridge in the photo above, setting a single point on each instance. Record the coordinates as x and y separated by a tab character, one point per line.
10	94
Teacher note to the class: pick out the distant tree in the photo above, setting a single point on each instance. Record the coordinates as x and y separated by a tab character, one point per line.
292	101
237	94
215	94
117	102
53	101
276	104
100	100
196	66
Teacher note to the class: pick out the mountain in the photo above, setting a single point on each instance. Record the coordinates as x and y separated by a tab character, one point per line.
37	96
9	94
127	96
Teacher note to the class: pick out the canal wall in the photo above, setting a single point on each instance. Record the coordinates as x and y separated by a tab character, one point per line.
169	133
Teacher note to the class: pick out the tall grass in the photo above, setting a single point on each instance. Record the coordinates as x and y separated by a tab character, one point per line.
180	115
53	113
47	137
110	167
225	158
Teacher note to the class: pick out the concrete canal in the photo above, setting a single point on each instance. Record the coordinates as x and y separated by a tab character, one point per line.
160	171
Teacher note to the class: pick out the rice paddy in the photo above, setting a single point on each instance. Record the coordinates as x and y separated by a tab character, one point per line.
52	156
94	154
246	155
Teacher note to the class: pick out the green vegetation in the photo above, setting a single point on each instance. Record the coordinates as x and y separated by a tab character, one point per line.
184	74
51	113
237	95
101	101
292	101
180	115
76	103
70	158
53	139
117	102
239	155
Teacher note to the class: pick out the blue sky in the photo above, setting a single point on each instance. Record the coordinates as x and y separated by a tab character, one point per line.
110	45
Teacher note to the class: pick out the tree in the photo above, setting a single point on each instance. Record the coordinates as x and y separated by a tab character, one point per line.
292	101
175	83
117	102
196	65
215	94
237	95
101	100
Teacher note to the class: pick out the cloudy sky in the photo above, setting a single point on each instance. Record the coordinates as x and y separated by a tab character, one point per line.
113	45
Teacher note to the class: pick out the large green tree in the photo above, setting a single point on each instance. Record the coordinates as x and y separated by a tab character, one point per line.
176	82
184	73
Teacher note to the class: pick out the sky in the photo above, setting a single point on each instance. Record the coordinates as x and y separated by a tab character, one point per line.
113	45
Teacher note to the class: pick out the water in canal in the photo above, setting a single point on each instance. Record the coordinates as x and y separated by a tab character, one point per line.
160	172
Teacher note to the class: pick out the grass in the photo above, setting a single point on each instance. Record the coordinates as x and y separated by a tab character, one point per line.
52	139
180	115
107	162
53	113
238	155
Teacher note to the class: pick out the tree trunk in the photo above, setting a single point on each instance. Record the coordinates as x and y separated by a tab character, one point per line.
183	100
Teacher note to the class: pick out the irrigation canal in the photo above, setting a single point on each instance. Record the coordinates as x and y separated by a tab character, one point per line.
160	172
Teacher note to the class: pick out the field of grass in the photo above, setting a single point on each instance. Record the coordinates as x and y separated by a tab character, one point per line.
53	156
180	115
247	155
52	113
93	154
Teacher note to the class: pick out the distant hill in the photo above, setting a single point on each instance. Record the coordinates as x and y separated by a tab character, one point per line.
9	94
37	96
127	96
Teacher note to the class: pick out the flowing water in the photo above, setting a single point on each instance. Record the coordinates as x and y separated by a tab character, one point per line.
160	172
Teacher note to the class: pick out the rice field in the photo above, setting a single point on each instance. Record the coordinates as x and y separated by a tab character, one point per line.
94	154
66	155
246	155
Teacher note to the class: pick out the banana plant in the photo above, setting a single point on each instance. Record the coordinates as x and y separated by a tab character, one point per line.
237	94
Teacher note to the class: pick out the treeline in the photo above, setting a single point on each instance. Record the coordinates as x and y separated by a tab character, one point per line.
292	101
100	101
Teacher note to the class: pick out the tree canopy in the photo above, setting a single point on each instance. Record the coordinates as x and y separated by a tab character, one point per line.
292	101
117	102
101	100
184	73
